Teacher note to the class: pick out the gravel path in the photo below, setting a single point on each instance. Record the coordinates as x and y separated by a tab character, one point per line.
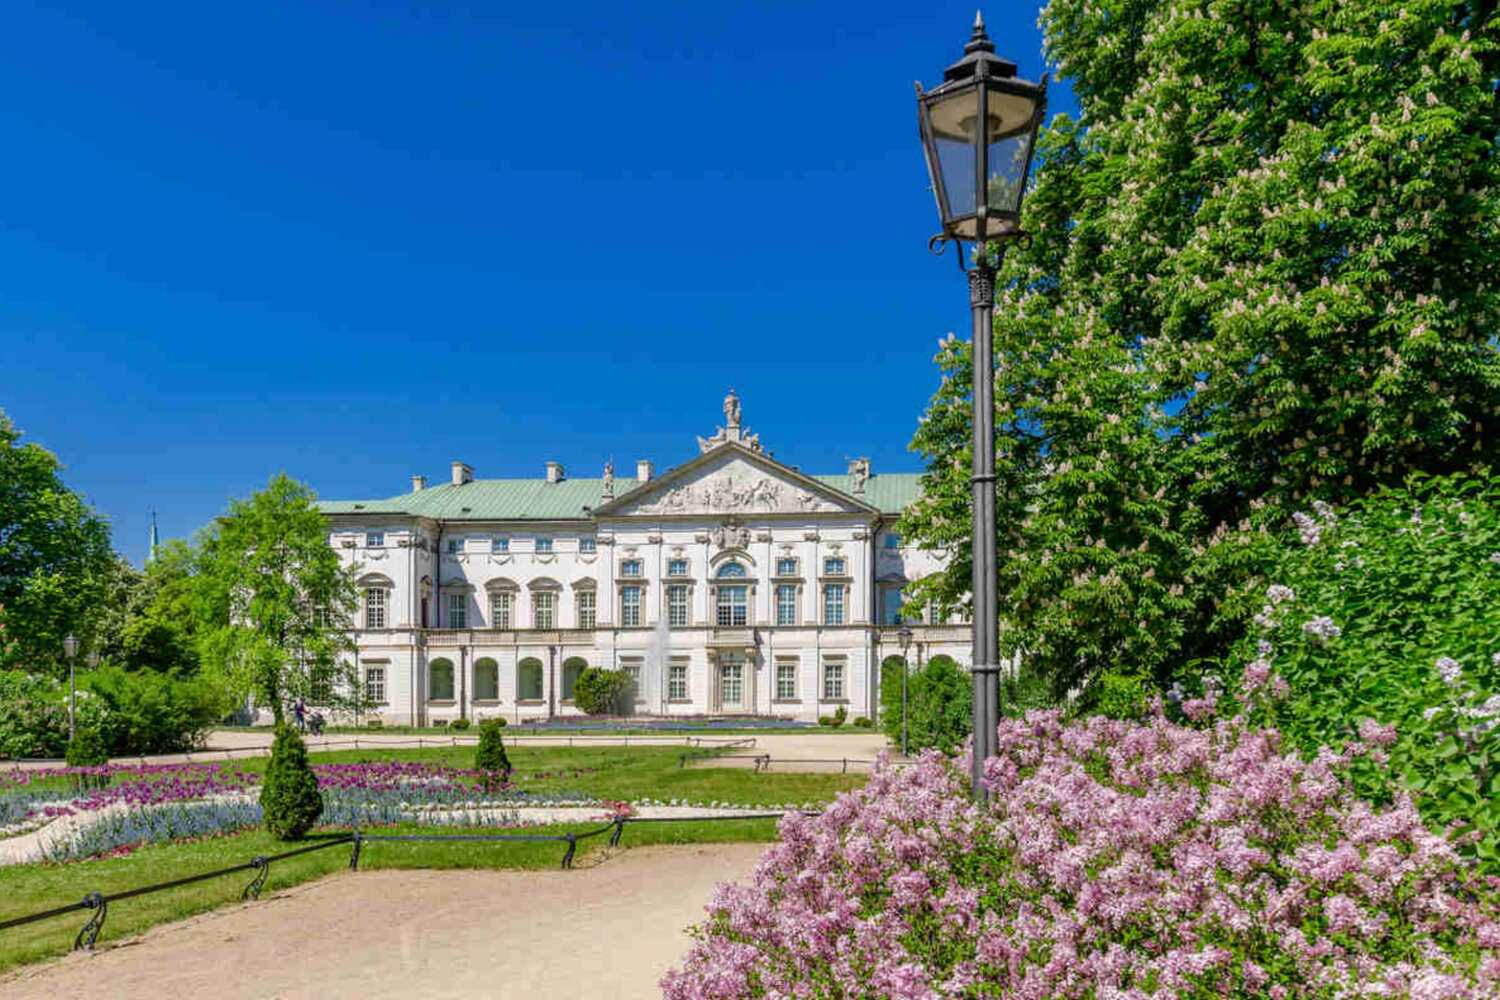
607	930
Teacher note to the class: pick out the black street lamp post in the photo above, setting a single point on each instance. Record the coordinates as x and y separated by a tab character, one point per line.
70	650
903	635
978	132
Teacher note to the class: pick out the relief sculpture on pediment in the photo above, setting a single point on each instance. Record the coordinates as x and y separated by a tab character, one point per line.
726	494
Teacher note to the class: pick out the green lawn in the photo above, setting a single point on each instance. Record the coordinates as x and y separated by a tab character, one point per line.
603	772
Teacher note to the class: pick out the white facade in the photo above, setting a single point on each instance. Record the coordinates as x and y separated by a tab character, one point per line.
729	585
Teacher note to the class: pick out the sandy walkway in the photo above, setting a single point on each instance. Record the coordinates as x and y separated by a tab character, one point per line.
607	931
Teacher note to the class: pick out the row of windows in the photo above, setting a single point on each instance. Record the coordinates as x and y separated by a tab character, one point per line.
785	566
500	543
529	680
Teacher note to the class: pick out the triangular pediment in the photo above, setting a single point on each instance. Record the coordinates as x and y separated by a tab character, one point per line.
731	479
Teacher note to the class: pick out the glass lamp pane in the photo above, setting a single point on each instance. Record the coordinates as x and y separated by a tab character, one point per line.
1007	172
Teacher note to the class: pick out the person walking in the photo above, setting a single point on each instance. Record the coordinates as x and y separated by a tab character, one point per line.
299	710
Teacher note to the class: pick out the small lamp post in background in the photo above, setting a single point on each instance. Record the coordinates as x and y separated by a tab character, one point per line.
903	635
978	132
70	650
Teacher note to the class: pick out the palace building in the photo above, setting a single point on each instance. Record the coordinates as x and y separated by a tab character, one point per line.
730	584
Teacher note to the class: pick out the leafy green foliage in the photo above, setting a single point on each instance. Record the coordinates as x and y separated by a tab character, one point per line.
289	794
459	724
490	757
1392	614
603	692
274	602
940	704
1264	270
151	712
55	559
891	670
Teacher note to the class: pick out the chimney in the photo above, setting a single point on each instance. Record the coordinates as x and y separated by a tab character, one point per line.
643	470
554	472
462	474
418	483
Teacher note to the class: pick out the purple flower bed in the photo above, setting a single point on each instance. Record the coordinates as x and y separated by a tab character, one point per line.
1118	860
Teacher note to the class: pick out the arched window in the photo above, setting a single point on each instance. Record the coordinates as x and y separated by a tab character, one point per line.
486	679
731	569
529	679
440	680
572	667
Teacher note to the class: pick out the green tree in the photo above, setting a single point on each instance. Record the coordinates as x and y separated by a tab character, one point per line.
891	670
1263	270
55	559
939	705
160	628
603	692
275	603
289	796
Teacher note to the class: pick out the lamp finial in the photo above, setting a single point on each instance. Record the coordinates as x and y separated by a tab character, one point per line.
979	41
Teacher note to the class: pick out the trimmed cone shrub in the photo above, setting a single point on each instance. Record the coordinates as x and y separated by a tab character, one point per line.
289	794
490	758
87	749
603	692
1118	859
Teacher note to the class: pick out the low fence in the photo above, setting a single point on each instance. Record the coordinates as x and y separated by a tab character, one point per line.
319	744
762	762
98	903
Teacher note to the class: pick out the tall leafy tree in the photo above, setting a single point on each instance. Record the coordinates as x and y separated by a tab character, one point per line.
55	558
275	603
159	630
1263	271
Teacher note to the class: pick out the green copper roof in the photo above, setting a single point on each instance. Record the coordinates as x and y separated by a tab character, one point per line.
539	500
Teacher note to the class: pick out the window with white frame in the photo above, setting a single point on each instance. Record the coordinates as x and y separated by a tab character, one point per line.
786	604
486	679
833	566
588	613
543	609
458	610
375	604
502	609
733	607
374	539
890	605
786	566
630	607
440	680
677	605
677	680
630	568
631	665
499	545
320	686
833	604
588	544
375	684
544	545
786	680
833	680
677	567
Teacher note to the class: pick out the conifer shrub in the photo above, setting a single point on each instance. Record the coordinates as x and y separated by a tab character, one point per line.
490	758
87	749
289	796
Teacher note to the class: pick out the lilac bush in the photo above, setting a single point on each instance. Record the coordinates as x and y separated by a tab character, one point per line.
1117	860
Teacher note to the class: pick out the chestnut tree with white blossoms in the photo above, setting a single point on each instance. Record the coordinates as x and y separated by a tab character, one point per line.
1262	270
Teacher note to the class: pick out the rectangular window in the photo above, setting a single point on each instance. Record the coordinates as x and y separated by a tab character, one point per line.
630	607
499	545
786	680
375	685
374	539
892	540
677	680
833	566
833	604
890	606
544	545
458	611
630	568
501	606
677	567
588	544
833	680
375	607
786	604
786	566
543	608
677	605
587	609
632	668
322	617
455	546
733	608
321	686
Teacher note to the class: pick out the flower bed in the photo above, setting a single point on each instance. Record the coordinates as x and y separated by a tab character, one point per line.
1117	860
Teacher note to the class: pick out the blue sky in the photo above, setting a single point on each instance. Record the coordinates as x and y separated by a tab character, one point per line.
355	242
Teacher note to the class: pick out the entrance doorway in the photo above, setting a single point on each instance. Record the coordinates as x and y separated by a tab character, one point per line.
732	682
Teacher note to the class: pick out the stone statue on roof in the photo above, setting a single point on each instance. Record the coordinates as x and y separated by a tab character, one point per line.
732	409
